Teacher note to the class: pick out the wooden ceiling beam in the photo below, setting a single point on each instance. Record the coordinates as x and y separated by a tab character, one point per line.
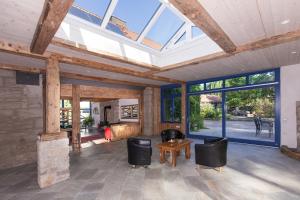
103	80
111	68
251	46
84	49
194	11
52	16
73	75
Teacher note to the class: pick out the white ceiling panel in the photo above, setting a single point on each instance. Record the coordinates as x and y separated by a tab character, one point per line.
18	20
272	57
251	20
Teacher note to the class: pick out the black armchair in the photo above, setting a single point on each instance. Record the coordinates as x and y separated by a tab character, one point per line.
139	151
213	153
169	134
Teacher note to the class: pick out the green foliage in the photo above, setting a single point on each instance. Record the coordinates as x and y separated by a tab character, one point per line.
264	108
239	81
88	121
196	119
210	112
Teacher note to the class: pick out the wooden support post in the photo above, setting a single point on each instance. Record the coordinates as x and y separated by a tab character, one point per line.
183	108
76	118
52	99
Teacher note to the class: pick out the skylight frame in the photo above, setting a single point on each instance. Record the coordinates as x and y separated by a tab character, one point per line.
164	4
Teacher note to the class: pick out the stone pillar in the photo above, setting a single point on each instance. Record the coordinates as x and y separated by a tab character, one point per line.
148	111
52	145
183	108
76	118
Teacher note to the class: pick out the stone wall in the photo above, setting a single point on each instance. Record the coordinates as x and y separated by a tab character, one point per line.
148	112
113	113
298	123
21	119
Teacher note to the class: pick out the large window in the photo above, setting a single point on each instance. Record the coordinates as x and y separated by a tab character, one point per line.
242	108
163	30
132	16
171	104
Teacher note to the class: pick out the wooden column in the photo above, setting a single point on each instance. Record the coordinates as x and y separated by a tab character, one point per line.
52	96
183	108
76	118
141	112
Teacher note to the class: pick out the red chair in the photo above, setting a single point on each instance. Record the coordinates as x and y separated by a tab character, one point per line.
107	133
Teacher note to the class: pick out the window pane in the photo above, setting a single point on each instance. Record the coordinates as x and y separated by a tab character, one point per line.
214	85
182	38
90	10
262	78
177	109
196	31
250	114
171	91
239	81
131	16
206	114
167	112
165	27
197	88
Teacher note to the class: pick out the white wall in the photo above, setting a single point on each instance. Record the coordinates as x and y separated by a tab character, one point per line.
124	102
290	93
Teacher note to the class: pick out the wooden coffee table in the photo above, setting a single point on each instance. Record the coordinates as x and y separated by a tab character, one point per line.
174	148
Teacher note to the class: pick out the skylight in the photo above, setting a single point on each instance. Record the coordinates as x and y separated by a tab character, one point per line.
132	16
164	29
196	31
90	10
151	23
182	38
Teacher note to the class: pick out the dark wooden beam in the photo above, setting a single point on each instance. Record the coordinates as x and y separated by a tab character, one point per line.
194	11
53	14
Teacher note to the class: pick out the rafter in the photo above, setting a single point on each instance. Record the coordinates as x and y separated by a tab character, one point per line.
193	10
72	75
251	46
111	68
84	49
53	14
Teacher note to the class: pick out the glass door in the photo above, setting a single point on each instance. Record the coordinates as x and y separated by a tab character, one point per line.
205	114
250	114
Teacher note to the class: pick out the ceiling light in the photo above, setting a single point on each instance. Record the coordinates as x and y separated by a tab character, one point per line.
293	52
285	22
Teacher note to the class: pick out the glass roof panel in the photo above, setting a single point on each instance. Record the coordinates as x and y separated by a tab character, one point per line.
182	38
196	31
163	30
131	16
90	10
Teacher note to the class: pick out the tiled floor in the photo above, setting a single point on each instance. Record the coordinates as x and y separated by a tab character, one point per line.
102	172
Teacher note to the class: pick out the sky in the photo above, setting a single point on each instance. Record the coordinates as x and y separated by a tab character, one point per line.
137	14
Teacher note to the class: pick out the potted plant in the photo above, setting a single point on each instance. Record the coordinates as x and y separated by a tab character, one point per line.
88	122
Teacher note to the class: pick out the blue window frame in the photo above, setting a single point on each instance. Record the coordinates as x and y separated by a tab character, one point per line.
266	81
171	103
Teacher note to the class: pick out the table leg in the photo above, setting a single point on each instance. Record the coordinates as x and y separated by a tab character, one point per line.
174	155
162	155
188	151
